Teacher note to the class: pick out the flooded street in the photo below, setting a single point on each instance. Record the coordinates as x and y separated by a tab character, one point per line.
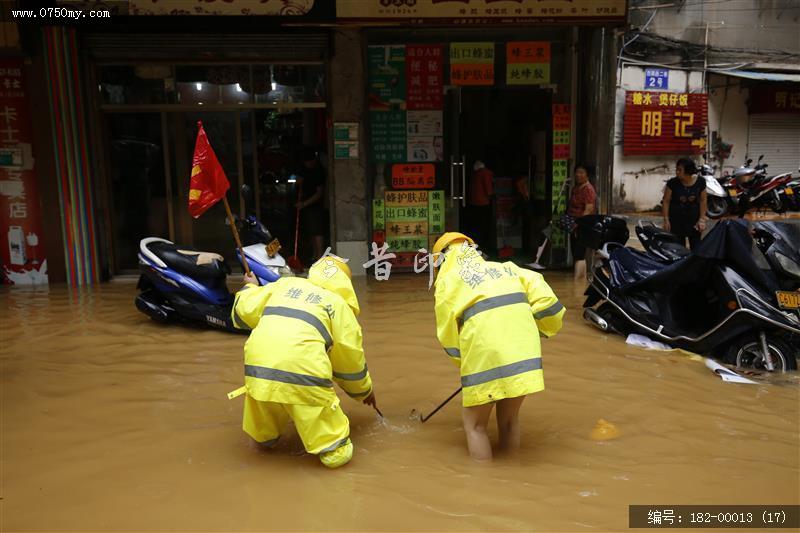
113	422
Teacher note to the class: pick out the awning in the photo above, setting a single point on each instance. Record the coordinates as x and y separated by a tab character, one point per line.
764	76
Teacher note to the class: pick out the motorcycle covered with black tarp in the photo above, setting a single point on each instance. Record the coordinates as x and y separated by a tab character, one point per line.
716	300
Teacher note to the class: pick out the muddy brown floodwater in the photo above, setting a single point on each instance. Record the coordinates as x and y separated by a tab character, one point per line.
112	422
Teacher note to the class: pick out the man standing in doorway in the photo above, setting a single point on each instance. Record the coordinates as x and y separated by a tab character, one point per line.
311	180
480	196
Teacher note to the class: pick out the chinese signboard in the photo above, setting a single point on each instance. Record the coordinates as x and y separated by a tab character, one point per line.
406	220
774	99
656	78
21	247
424	76
528	62
562	121
413	176
464	12
665	123
435	216
472	63
220	7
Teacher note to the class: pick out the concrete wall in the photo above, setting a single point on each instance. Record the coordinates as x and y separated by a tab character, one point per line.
349	201
639	180
767	24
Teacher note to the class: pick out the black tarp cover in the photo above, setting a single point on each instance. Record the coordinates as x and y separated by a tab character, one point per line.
729	243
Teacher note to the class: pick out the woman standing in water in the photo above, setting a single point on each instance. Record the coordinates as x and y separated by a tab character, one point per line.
488	319
685	203
581	203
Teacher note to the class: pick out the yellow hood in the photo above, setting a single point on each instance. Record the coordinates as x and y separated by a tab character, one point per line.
326	273
460	260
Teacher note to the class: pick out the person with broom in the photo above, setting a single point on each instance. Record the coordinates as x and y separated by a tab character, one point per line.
489	317
311	201
305	337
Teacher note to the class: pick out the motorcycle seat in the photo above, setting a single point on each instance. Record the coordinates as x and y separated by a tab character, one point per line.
674	250
189	261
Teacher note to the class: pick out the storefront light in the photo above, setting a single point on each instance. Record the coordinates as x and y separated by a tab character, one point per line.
274	85
198	86
292	179
239	88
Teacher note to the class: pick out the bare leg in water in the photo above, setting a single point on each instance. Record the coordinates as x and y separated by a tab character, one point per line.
476	419
508	422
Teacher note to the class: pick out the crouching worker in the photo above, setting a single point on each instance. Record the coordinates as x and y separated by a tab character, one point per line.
488	318
305	337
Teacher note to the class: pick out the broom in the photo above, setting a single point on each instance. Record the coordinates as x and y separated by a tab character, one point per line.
294	261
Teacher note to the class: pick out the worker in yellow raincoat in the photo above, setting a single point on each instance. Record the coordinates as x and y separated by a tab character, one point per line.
305	337
489	317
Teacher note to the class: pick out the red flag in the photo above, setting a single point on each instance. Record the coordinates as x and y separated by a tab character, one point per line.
208	184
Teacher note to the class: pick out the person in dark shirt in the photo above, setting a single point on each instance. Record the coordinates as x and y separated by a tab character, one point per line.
685	203
311	180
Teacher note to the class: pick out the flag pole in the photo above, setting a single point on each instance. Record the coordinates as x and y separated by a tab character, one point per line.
235	234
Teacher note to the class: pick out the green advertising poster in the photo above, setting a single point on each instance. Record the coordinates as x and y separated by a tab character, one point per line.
407	244
436	212
558	238
387	77
388	136
387	102
378	215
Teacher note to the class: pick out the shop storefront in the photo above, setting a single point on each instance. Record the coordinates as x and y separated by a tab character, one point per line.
398	102
491	84
258	116
774	125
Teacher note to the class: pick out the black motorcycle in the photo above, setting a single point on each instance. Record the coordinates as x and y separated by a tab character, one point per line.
714	300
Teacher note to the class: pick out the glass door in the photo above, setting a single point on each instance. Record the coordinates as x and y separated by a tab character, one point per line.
139	191
495	133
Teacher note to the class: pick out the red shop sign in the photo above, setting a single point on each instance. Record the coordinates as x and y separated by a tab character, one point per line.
424	76
22	251
665	123
413	176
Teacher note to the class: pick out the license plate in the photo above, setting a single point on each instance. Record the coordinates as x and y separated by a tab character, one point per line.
789	191
733	192
788	300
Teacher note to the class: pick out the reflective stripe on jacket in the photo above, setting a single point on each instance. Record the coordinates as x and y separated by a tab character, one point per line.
305	338
488	319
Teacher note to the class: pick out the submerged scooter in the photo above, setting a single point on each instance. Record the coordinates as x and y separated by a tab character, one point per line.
182	284
715	300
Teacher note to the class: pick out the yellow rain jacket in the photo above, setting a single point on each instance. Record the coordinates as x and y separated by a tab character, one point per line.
305	337
488	319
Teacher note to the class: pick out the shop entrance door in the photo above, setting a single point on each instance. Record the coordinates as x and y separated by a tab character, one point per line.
508	130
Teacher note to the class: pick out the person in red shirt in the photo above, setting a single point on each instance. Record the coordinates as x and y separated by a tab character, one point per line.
582	201
479	199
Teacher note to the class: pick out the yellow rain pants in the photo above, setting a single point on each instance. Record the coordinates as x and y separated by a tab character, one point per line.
324	430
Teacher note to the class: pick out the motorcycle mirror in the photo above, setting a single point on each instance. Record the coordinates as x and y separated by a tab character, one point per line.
748	162
760	158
